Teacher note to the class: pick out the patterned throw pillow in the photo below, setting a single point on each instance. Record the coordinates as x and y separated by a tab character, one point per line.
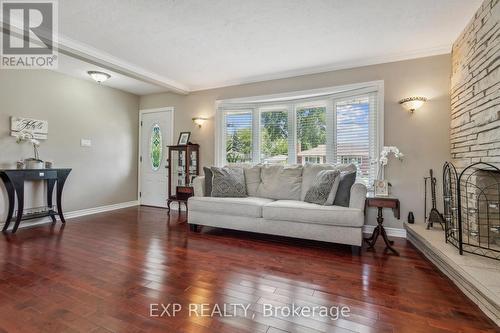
322	185
228	182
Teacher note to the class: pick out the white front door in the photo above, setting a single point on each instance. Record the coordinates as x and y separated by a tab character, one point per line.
156	135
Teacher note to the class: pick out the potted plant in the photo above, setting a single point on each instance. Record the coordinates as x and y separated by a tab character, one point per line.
381	185
35	162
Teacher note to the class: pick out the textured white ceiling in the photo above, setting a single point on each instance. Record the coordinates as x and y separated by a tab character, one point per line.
199	44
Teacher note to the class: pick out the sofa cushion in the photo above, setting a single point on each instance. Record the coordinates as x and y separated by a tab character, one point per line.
343	195
228	182
299	211
250	206
280	182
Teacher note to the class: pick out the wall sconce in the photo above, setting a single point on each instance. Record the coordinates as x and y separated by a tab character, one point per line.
413	103
199	121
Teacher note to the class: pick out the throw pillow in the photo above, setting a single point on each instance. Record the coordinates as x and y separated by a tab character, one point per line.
322	185
228	182
309	174
208	181
343	195
333	192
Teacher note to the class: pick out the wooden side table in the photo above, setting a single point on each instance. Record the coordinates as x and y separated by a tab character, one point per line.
14	179
381	203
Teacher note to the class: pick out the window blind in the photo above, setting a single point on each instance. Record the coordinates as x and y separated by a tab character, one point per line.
356	135
237	134
274	136
311	135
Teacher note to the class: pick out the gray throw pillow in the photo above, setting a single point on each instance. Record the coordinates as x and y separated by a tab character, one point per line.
343	195
322	185
208	181
228	182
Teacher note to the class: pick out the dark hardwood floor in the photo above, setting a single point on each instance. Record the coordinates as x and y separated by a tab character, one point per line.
100	273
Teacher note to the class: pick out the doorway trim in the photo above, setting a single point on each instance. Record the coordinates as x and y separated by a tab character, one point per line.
171	110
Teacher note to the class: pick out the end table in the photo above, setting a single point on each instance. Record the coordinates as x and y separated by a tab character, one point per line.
380	203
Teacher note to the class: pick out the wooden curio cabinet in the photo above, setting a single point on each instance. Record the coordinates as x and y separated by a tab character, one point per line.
183	166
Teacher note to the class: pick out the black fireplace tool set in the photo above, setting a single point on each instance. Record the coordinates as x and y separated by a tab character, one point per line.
434	215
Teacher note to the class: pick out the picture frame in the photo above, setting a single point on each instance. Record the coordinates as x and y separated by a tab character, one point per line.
381	188
183	138
39	129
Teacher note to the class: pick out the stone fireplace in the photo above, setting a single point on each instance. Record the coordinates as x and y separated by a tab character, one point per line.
474	137
475	120
475	90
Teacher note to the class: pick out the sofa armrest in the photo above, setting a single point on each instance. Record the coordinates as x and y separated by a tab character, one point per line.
199	186
358	196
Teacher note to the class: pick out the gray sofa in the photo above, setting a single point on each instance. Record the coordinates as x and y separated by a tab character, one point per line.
275	206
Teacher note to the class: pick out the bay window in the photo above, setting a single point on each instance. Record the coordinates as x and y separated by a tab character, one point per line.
326	127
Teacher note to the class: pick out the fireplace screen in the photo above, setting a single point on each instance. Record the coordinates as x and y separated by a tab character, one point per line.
472	208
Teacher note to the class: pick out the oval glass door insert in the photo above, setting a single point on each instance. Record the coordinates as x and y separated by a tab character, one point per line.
156	147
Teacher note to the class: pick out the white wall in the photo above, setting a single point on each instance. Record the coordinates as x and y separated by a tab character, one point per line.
103	174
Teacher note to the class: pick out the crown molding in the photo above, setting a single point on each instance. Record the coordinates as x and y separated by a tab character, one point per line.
443	49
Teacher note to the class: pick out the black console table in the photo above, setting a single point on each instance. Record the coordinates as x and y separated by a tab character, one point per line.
14	183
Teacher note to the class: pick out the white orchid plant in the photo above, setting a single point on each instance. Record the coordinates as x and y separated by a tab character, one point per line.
25	136
385	154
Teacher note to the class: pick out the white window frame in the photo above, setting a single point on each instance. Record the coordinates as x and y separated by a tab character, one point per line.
292	101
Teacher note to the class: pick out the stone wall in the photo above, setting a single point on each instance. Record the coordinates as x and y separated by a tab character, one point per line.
475	89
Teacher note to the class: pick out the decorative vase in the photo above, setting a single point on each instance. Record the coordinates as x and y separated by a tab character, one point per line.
411	218
33	163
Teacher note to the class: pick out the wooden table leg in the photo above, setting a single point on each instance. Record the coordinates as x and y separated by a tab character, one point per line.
11	197
388	243
62	175
19	187
50	190
373	238
380	230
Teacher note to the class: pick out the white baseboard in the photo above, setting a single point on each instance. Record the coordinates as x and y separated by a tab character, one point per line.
393	232
78	213
173	206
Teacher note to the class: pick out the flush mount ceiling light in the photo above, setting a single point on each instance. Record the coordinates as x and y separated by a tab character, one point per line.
98	77
413	103
199	121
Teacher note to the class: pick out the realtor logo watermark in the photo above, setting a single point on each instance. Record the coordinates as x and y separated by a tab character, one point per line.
29	34
265	310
